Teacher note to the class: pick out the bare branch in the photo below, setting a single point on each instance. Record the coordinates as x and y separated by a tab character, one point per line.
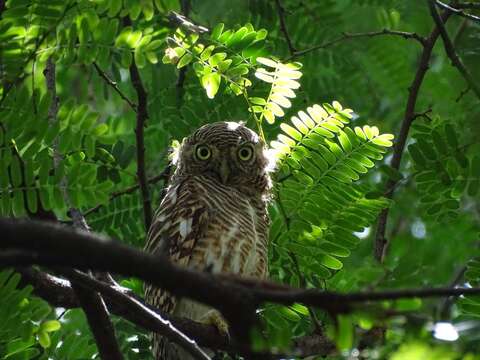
142	116
97	316
424	114
468	5
153	180
462	94
457	11
178	20
91	302
114	86
283	27
401	139
87	251
185	7
19	77
450	49
54	245
350	36
56	291
125	304
2	7
136	306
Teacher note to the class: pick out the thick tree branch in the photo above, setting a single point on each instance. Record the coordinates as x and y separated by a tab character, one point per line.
450	49
134	305
350	36
55	290
283	26
114	86
123	303
456	10
142	116
53	245
87	251
401	139
98	318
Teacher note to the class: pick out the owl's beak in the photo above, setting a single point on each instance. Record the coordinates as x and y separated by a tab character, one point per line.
224	171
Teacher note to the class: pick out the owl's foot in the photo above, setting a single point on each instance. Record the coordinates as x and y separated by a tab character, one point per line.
213	317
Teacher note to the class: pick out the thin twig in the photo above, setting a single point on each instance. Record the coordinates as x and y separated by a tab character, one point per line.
424	114
283	27
461	29
2	7
179	86
153	180
457	11
450	49
462	94
349	36
413	91
468	5
114	86
445	305
90	301
19	78
142	116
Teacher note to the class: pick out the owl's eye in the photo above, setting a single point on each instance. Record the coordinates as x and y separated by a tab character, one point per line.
202	152
245	153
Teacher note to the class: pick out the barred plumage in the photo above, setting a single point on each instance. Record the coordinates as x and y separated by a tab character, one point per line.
213	217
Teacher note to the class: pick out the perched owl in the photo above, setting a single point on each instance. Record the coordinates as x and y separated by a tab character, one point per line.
212	218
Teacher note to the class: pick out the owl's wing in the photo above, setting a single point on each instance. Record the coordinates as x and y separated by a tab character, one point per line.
180	221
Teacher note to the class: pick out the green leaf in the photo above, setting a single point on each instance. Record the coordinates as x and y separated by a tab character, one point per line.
215	59
267	62
139	56
217	31
15	172
330	262
211	83
50	326
18	346
100	129
416	155
236	37
44	339
184	61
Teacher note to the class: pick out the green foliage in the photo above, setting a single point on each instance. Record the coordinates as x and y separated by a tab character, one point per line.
27	324
444	174
332	168
224	54
319	208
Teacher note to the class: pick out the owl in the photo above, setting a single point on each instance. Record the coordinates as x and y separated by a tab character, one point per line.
213	217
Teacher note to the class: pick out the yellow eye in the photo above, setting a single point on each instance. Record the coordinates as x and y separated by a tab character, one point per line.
202	152
245	153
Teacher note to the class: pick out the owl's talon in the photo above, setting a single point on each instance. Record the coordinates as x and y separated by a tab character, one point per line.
213	317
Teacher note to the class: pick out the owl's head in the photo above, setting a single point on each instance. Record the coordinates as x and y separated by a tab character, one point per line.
227	152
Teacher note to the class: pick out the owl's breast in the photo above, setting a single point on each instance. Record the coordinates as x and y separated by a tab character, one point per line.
235	240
